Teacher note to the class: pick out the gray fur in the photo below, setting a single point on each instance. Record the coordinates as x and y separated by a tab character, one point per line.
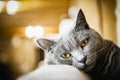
103	56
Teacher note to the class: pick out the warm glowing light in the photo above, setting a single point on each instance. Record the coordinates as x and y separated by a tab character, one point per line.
29	31
34	32
12	7
2	3
24	67
65	26
73	11
16	41
38	31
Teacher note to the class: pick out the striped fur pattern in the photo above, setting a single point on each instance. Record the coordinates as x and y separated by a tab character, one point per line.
102	56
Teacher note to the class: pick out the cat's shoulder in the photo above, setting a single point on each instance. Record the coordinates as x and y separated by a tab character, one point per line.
110	43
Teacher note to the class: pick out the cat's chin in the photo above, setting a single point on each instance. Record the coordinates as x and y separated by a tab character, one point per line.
82	67
85	68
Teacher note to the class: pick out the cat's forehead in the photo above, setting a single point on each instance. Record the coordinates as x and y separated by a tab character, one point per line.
77	34
69	41
65	44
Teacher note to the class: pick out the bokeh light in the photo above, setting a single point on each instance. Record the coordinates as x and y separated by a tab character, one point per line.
12	7
34	32
38	31
65	26
16	41
29	31
2	4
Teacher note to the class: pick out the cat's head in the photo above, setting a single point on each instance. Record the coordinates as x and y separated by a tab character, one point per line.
79	47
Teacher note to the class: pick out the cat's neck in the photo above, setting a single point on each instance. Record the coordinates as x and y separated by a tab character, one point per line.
108	63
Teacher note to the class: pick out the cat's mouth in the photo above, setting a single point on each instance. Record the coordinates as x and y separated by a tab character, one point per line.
86	66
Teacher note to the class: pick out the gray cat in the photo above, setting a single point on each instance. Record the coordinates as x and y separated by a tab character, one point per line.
85	49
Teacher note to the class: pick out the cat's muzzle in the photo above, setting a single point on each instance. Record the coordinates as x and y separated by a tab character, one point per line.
83	60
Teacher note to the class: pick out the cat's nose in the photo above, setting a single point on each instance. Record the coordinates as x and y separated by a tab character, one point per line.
83	60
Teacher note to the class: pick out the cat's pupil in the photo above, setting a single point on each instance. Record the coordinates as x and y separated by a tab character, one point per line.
66	55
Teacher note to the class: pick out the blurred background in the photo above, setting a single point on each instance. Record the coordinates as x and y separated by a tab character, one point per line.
21	21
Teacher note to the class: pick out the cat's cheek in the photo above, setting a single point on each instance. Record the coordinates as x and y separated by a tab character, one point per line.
49	59
90	65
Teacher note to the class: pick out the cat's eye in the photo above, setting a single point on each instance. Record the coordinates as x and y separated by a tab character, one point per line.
84	43
66	55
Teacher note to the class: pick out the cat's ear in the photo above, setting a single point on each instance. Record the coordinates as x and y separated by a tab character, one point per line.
81	22
44	44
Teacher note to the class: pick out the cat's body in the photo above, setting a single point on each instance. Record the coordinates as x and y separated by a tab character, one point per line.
107	64
86	50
